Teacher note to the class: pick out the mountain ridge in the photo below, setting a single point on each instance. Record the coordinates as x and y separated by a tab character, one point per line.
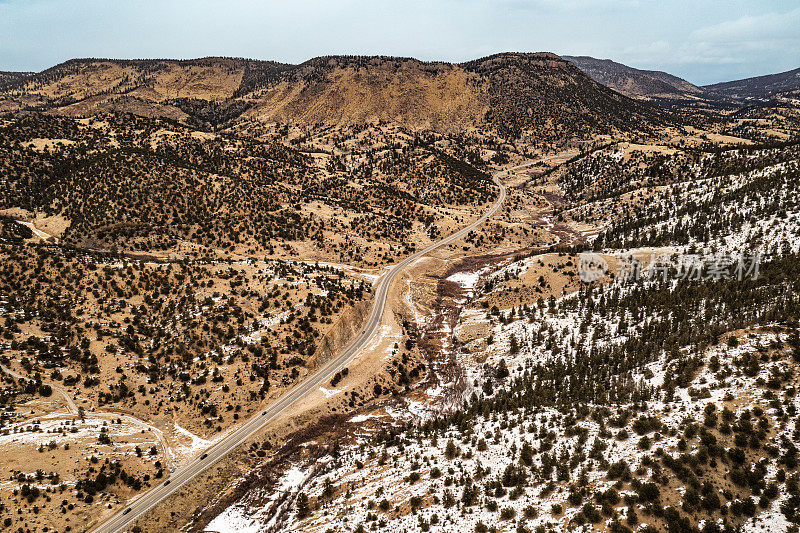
538	93
634	82
759	87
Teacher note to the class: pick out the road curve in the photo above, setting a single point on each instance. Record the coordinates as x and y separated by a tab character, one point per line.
148	500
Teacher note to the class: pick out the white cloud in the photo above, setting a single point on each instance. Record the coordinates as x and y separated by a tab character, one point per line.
745	41
571	5
724	50
766	27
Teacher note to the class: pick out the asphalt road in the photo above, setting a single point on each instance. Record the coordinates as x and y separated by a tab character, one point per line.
148	500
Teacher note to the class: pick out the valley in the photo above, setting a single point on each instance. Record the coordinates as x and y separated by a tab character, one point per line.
375	293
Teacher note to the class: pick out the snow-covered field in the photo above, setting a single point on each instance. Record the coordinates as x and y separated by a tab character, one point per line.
365	476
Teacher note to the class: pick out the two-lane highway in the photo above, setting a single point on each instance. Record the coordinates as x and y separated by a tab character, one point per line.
182	475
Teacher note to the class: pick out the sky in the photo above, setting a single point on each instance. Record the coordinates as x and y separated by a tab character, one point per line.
704	41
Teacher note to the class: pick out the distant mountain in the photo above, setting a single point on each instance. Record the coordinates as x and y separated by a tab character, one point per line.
634	82
785	84
537	94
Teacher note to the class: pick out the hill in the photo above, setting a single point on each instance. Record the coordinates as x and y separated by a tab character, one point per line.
634	82
545	92
537	94
759	87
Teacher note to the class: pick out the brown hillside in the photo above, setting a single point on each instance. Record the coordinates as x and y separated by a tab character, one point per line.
341	91
540	95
